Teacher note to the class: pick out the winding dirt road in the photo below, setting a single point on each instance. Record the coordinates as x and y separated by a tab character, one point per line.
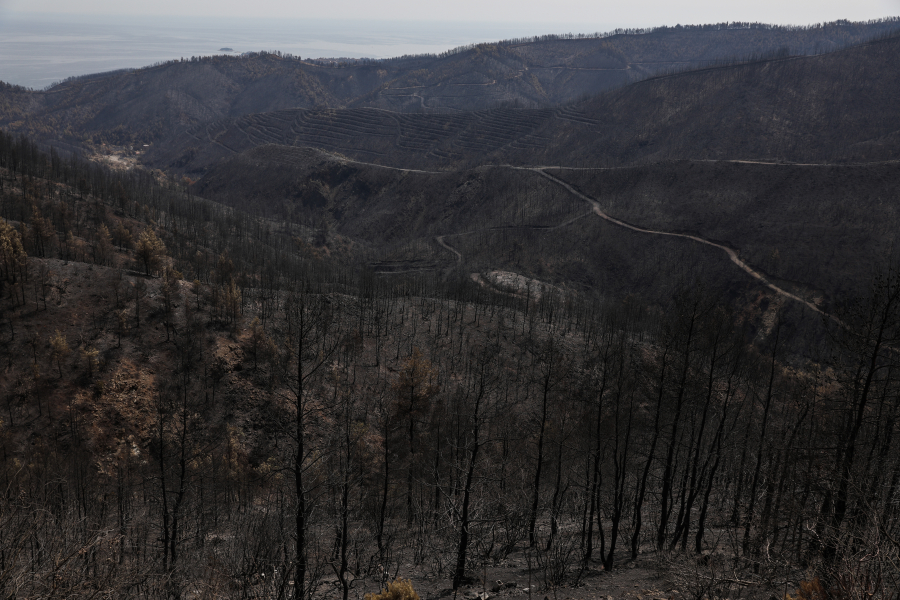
440	240
731	253
596	209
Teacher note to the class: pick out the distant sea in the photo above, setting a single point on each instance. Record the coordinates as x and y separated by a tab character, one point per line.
39	50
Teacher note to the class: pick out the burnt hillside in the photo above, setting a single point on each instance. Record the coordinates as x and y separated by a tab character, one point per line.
195	398
831	108
791	222
156	102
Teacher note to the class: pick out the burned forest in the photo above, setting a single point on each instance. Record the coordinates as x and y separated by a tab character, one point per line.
588	317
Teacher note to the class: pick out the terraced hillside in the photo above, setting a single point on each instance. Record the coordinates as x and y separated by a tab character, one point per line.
154	103
367	134
837	107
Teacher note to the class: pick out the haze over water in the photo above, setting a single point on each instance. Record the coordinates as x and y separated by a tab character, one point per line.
36	50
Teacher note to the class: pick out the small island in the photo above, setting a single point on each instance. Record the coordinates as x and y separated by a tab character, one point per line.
226	50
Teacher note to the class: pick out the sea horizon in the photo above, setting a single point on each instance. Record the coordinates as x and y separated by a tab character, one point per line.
37	50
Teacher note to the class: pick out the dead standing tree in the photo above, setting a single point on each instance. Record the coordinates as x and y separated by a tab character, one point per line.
481	404
415	386
551	369
311	338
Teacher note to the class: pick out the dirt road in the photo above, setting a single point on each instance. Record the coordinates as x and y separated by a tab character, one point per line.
731	253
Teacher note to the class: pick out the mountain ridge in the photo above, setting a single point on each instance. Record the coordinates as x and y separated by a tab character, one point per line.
151	104
835	107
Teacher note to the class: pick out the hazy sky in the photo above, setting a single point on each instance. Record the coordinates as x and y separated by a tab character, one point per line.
591	14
